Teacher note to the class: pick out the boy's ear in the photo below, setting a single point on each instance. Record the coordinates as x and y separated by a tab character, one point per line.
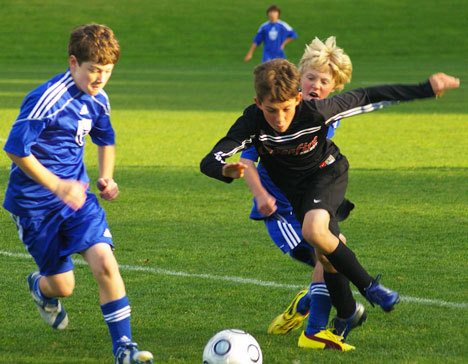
258	103
72	62
298	98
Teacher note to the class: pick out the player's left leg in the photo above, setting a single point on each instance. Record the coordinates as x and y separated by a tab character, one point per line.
115	305
88	231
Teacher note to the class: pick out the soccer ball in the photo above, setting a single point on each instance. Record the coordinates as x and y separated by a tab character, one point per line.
232	346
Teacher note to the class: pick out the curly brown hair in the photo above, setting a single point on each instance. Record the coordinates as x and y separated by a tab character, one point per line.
94	43
278	80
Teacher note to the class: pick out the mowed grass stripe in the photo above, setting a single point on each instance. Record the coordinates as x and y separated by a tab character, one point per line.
242	280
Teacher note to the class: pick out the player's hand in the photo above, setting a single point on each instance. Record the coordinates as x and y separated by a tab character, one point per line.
266	204
441	82
247	57
109	189
72	193
234	170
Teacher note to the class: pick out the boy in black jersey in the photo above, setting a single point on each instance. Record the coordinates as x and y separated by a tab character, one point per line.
290	137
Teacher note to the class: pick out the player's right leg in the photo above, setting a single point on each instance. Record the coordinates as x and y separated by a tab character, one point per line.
49	307
40	235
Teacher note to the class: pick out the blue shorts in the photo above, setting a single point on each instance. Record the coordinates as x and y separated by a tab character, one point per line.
286	232
53	238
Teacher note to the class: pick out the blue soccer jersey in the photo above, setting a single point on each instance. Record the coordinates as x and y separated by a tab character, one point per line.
53	122
273	35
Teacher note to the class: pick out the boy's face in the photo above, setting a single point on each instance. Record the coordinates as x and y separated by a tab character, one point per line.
90	77
273	16
279	115
317	85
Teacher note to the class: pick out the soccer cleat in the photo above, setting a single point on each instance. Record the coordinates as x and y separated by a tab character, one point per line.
128	353
382	296
322	340
290	319
342	327
51	310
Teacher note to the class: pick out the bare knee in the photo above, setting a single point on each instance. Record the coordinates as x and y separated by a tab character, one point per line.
60	285
104	267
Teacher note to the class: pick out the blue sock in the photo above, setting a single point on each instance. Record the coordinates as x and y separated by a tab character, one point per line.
320	307
303	304
39	293
117	316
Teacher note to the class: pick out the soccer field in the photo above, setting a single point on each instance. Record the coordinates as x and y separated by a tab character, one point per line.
192	260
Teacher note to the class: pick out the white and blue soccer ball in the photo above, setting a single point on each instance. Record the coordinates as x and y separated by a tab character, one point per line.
232	346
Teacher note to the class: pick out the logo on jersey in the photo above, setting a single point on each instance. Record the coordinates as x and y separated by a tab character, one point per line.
273	34
302	148
84	127
84	110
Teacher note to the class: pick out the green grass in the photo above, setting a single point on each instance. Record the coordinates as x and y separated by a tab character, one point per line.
174	94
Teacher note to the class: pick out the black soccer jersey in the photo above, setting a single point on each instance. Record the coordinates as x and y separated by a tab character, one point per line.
291	157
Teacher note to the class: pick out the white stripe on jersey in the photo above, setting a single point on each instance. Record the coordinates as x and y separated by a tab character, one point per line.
220	156
51	96
118	315
286	25
287	138
287	230
359	110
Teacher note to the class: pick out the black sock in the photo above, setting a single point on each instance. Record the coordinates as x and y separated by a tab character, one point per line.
345	262
340	294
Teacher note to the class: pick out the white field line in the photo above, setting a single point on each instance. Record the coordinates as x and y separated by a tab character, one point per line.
252	281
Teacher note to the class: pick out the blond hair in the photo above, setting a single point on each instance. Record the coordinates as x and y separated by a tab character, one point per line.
278	80
325	57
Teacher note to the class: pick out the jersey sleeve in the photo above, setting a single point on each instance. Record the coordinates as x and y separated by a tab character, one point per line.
102	132
259	38
250	153
240	136
25	130
365	100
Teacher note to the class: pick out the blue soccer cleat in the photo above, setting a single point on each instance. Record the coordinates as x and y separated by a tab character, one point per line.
51	310
128	353
382	296
342	327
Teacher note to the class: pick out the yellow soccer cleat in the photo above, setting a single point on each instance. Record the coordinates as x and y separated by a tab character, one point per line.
322	340
290	319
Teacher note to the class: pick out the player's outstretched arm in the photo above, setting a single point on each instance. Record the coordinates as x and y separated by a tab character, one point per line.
234	170
266	203
441	82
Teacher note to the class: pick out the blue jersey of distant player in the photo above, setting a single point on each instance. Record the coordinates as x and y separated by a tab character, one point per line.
273	35
53	122
283	206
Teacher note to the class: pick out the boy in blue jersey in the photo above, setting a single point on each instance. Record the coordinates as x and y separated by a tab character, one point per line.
274	34
324	68
48	195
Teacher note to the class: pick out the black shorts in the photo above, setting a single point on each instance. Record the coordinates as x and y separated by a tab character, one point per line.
325	189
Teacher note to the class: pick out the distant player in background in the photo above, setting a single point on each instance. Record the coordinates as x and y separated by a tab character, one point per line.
274	34
48	195
324	68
